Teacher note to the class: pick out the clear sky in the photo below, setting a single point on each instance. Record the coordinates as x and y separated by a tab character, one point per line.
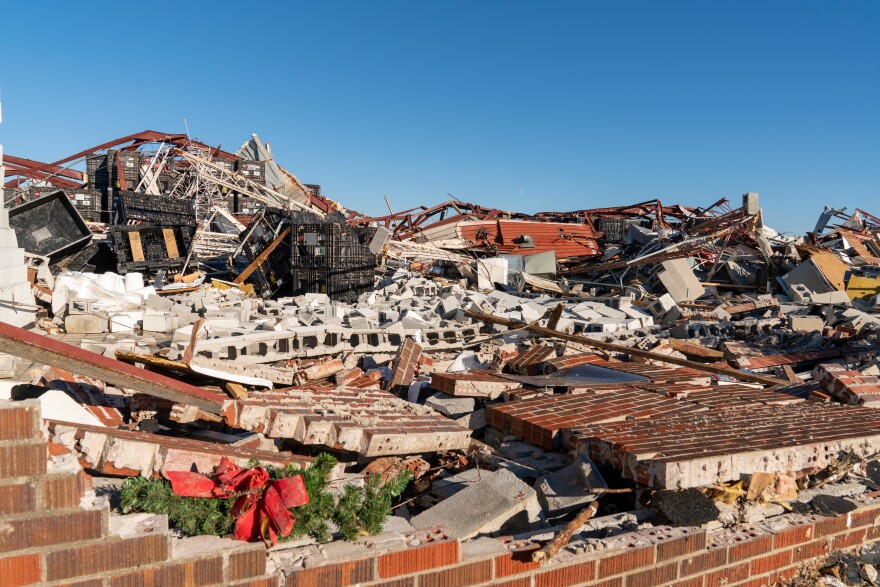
530	106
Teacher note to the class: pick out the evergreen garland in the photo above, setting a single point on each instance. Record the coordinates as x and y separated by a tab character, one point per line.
356	512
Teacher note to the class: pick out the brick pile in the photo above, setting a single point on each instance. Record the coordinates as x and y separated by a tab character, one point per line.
848	385
130	453
716	446
370	422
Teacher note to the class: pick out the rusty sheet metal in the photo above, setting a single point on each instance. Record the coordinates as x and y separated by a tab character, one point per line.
566	240
47	351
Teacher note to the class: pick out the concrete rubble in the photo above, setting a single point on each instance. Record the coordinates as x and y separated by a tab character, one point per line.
686	369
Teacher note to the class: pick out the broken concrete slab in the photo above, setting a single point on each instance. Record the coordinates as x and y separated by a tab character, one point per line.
569	488
491	504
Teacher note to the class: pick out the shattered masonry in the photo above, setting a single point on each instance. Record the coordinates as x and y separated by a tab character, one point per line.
704	388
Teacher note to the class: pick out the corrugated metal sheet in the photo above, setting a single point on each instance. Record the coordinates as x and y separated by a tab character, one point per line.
566	240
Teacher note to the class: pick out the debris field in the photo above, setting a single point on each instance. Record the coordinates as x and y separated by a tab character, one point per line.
642	394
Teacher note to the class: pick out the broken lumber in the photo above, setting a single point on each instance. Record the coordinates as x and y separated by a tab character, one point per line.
739	375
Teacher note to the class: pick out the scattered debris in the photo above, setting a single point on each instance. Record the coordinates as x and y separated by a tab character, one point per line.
172	303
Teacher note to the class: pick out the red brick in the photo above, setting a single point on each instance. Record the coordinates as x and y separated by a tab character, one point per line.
692	582
192	573
60	491
420	558
828	526
272	581
56	528
703	562
810	550
250	563
565	576
781	576
17	498
407	582
86	583
676	547
615	582
792	536
20	570
516	562
338	574
864	517
523	582
466	574
728	576
633	558
652	577
23	460
749	548
108	555
771	562
18	423
756	582
850	539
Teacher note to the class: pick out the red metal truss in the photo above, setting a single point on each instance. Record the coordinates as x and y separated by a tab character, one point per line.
56	174
408	222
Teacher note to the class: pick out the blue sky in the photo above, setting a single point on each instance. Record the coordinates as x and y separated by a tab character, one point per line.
518	105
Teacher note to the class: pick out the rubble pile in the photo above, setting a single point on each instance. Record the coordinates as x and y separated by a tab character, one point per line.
541	389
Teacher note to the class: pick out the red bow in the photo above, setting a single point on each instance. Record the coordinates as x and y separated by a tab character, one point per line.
262	508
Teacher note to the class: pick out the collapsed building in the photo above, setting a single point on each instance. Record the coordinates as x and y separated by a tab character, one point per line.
642	394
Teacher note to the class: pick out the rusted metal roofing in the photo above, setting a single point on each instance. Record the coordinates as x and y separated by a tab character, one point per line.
505	236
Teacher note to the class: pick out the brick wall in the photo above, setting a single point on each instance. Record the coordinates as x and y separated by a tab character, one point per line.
46	538
656	557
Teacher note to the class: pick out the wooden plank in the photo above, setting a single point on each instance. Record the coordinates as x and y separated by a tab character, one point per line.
261	258
170	243
236	390
137	251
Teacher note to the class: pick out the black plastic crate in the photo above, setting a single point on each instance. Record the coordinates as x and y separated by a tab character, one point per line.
12	197
87	203
343	285
615	228
227	165
330	244
247	206
129	163
253	170
150	250
158	210
274	273
97	172
49	226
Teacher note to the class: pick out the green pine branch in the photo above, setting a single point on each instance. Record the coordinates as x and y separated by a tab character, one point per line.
356	512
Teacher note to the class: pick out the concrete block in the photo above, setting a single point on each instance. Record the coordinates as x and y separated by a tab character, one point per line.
489	505
476	420
451	406
85	324
491	271
832	297
125	321
750	203
680	281
805	323
661	305
568	488
158	303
